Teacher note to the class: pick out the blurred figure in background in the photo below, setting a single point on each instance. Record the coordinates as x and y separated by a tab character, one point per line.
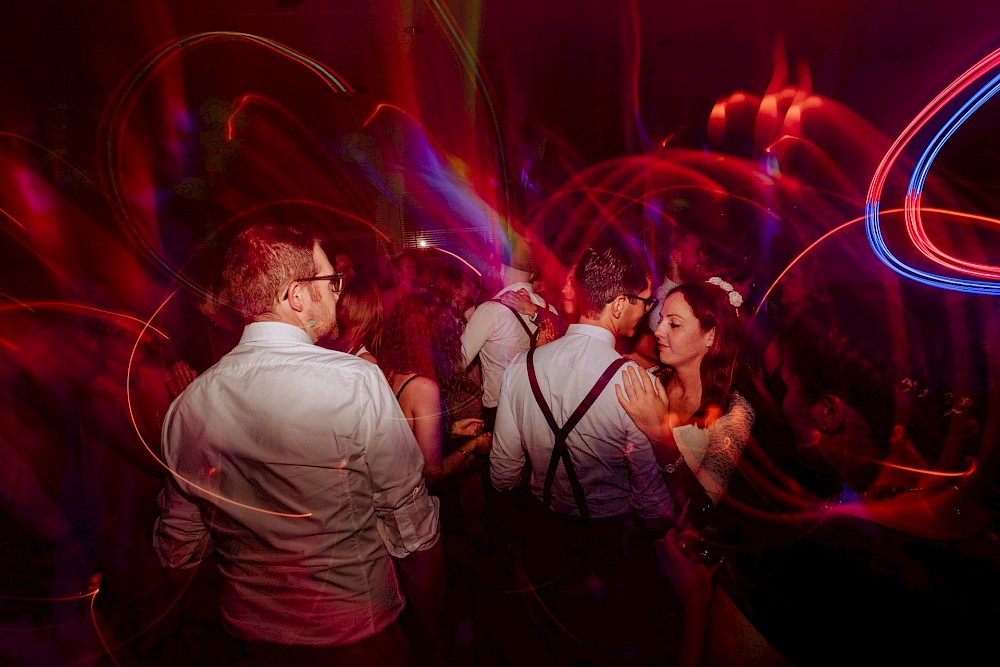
887	561
122	413
406	269
457	288
421	357
505	326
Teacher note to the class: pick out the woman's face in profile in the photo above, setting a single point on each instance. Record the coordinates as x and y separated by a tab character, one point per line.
680	338
568	292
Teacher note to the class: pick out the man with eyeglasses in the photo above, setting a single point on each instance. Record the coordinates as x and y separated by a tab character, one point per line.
560	426
295	466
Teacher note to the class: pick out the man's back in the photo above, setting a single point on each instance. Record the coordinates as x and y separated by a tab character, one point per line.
297	465
495	335
612	458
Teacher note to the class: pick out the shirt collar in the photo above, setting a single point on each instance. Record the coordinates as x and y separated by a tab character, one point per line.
265	331
600	333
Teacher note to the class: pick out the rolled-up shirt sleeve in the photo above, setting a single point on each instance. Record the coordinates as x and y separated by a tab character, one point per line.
407	516
180	537
649	494
507	457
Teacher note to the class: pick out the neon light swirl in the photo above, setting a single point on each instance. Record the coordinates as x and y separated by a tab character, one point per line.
912	204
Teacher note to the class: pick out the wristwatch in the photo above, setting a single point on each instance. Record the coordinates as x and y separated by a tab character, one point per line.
534	318
671	468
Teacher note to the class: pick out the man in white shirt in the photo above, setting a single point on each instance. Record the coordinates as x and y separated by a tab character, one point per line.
613	459
581	496
496	334
294	464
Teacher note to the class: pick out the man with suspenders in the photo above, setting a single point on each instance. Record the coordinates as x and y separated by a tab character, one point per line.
560	426
497	333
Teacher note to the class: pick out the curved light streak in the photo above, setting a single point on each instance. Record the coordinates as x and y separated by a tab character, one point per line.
914	224
459	258
912	216
135	425
113	126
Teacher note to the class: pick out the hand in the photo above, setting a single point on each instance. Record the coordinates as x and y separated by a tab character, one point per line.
520	301
182	376
483	443
645	401
469	426
546	332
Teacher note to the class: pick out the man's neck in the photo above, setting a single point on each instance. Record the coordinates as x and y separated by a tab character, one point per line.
602	322
290	318
510	276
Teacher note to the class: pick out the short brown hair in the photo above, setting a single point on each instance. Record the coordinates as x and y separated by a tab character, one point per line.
604	271
263	260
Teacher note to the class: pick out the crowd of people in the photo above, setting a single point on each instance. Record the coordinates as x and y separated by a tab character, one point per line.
433	470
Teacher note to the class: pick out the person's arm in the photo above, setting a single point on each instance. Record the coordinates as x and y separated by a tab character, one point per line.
476	333
180	537
507	459
106	419
648	492
407	516
422	402
646	402
543	316
727	438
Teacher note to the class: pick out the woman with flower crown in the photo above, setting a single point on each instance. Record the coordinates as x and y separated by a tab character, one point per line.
698	425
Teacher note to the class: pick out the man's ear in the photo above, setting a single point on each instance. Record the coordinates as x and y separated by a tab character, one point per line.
296	296
618	306
828	413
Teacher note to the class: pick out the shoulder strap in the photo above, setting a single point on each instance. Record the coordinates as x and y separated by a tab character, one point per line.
560	451
412	378
532	337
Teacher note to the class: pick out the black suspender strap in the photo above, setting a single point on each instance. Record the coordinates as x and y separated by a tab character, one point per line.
560	451
532	337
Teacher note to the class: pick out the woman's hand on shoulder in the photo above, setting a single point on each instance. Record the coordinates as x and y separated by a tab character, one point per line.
645	401
520	301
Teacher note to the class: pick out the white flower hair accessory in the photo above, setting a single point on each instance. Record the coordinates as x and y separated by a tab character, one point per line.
735	298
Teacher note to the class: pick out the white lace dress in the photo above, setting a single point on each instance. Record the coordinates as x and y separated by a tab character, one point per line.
713	452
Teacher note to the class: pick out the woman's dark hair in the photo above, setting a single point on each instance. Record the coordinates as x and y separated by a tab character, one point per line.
448	281
359	317
422	336
711	307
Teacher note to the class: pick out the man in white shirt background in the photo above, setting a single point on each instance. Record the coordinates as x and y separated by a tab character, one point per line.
295	466
494	334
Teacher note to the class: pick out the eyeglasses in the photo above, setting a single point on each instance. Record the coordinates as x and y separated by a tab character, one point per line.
336	282
649	304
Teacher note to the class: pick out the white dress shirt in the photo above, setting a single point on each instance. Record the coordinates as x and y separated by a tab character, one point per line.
495	336
613	459
295	463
